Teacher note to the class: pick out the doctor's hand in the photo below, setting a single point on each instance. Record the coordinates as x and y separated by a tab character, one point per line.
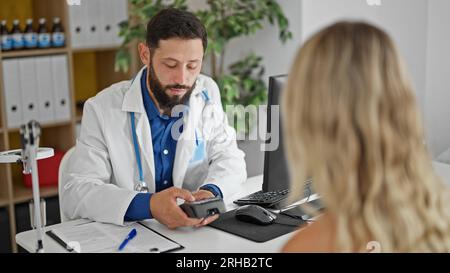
200	195
164	208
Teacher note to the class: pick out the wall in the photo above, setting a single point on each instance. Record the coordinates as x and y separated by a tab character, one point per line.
419	27
437	99
404	20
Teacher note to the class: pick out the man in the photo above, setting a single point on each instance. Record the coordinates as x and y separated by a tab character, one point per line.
164	131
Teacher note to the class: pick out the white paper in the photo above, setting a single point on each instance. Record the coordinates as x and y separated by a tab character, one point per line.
94	237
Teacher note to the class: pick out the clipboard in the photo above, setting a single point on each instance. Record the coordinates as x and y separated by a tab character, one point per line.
95	237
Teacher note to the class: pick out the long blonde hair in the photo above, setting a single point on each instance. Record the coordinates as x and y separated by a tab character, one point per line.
352	124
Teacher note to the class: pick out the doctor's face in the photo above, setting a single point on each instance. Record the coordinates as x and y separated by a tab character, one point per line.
173	69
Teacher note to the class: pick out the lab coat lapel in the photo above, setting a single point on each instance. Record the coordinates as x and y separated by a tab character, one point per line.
133	102
144	137
186	142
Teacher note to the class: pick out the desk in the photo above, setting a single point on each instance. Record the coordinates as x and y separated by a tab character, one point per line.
205	239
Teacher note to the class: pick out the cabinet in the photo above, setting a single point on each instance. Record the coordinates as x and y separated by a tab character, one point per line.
90	69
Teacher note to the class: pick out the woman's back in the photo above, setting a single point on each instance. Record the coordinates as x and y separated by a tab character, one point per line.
352	124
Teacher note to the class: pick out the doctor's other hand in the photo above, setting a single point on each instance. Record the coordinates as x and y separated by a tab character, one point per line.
164	208
200	195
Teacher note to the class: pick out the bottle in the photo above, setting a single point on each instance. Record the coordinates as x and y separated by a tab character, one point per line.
58	36
30	36
17	36
6	39
43	34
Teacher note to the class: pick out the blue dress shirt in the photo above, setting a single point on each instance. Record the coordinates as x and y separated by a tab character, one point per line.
164	148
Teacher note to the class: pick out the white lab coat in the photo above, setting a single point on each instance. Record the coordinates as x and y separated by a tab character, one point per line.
103	169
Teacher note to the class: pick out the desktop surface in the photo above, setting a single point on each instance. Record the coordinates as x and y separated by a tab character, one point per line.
193	240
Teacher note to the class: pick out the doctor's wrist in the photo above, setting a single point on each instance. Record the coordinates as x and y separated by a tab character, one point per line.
214	189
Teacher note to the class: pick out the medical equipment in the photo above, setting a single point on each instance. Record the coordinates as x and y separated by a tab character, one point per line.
28	156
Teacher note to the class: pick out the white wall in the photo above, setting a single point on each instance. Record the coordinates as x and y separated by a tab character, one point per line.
421	29
437	99
404	20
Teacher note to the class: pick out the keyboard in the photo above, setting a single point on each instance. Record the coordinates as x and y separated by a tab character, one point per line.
264	199
270	198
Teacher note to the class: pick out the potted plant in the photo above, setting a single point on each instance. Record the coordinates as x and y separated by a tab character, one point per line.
241	83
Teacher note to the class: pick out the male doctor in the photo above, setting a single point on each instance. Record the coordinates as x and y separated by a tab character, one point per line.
160	137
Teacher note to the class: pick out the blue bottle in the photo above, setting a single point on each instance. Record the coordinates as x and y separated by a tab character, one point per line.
17	36
58	36
44	40
30	35
6	39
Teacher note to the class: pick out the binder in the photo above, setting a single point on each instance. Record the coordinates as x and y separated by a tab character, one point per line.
46	103
78	24
120	13
106	23
61	93
28	83
96	23
13	99
93	23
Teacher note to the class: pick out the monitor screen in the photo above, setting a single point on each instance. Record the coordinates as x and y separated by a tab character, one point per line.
276	175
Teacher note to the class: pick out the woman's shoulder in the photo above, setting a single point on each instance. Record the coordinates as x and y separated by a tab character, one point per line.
316	237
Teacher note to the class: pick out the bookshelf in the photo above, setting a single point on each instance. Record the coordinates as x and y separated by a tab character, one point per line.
90	71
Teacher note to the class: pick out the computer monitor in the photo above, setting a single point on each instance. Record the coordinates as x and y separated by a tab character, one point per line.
275	189
276	175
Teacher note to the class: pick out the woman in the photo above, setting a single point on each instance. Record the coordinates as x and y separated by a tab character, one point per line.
353	125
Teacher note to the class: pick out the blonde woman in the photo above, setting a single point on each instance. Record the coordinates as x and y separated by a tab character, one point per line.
351	123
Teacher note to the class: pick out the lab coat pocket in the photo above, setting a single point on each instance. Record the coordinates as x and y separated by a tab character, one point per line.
199	153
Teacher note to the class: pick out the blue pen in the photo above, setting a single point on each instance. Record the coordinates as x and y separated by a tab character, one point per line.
196	138
130	236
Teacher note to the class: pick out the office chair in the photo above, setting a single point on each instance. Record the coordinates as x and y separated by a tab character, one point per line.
62	169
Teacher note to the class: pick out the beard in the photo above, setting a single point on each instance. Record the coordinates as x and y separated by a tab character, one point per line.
166	102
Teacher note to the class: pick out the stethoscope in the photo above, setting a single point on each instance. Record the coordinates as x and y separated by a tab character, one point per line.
141	185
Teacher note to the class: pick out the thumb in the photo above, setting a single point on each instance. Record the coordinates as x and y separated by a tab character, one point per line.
183	194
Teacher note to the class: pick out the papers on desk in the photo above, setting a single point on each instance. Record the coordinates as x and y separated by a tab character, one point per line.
94	237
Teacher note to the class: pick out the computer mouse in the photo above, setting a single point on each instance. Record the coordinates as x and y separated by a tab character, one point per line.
255	214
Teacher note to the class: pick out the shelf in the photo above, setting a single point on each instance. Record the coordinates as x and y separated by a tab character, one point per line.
99	48
44	125
23	194
34	52
94	71
3	202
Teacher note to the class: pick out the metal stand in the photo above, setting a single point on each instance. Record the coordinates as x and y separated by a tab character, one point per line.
29	135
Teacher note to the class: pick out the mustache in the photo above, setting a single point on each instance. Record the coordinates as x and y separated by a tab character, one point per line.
178	86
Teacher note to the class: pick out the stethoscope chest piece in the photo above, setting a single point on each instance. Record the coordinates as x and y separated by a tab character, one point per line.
141	186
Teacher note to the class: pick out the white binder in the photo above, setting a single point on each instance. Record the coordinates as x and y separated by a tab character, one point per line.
27	77
13	99
106	37
93	12
78	24
61	93
46	103
120	13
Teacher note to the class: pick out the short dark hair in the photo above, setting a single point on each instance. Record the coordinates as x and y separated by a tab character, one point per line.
175	23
